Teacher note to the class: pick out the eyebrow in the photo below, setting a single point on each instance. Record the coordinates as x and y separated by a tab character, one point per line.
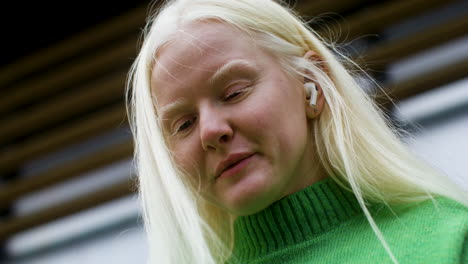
229	67
170	108
218	76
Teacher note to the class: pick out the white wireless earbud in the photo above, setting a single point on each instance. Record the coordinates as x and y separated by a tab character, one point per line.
312	93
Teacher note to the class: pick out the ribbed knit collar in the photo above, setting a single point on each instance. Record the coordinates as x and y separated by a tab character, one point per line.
294	219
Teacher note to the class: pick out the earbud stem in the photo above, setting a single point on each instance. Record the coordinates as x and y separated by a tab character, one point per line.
312	89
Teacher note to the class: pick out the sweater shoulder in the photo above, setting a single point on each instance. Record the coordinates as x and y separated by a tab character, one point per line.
439	207
439	227
440	212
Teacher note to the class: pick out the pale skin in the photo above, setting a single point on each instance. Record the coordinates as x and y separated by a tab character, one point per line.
217	94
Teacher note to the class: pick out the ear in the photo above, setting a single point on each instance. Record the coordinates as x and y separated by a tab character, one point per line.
314	112
317	59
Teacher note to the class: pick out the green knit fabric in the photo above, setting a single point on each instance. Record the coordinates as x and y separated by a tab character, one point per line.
323	223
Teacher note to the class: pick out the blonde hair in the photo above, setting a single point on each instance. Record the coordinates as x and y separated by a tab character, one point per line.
356	144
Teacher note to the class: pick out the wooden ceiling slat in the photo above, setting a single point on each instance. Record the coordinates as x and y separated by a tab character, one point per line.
389	52
69	74
320	7
123	24
62	107
423	83
13	190
376	18
15	225
50	141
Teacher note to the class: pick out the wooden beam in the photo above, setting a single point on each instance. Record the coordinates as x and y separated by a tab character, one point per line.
13	190
388	52
319	7
62	107
70	74
121	25
88	126
376	18
9	227
423	83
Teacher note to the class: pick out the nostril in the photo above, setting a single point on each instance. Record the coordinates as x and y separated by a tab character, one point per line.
224	138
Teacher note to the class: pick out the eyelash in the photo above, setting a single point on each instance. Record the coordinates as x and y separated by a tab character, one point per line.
183	124
232	96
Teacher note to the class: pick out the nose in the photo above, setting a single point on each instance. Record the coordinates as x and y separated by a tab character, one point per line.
215	130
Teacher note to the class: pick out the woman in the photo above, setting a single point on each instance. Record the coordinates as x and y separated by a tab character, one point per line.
255	145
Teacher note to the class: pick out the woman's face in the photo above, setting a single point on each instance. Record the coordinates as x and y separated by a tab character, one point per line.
233	119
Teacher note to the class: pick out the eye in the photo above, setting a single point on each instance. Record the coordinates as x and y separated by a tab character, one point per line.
185	125
233	95
236	93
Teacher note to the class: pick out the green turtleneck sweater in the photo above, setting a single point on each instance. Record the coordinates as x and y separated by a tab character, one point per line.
324	224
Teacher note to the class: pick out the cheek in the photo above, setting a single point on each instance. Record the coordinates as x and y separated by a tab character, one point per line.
256	120
284	118
186	158
260	120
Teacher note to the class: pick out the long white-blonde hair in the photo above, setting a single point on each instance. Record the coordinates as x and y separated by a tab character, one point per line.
356	144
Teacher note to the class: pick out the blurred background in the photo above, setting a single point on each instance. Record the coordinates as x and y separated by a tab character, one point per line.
67	185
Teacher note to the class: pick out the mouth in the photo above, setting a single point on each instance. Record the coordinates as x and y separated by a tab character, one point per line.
233	164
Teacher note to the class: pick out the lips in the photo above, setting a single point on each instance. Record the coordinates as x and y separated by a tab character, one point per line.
231	161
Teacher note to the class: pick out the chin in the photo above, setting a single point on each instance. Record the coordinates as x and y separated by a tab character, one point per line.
250	203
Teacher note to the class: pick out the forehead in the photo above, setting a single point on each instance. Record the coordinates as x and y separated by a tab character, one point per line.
196	52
